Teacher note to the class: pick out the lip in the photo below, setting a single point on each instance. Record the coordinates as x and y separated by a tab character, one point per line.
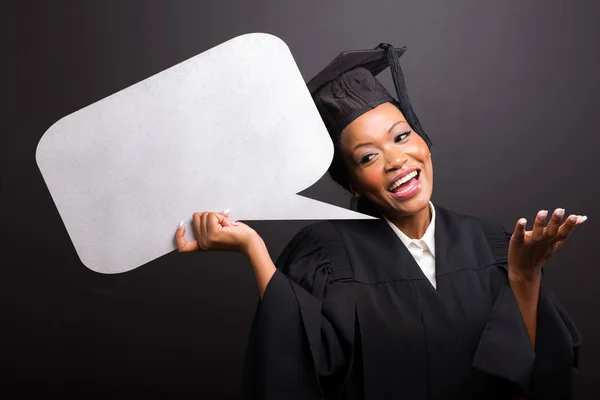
402	175
413	189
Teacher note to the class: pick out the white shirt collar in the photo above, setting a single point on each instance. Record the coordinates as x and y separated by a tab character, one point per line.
428	238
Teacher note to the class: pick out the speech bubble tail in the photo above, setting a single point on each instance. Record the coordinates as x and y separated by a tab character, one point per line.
297	208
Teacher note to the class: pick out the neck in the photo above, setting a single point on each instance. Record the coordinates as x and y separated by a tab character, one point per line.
414	225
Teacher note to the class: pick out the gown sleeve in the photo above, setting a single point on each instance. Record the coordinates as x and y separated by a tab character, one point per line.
301	337
505	351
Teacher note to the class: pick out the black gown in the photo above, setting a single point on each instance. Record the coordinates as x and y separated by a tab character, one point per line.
349	314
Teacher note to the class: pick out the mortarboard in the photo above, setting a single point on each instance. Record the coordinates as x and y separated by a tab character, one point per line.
347	88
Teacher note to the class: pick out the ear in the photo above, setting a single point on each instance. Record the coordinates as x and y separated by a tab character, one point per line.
351	188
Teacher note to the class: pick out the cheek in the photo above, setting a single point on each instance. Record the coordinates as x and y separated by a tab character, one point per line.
420	151
428	167
371	178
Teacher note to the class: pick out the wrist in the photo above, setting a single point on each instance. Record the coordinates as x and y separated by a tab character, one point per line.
252	245
524	276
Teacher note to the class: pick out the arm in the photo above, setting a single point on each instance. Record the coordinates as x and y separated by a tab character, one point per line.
214	231
526	290
300	343
527	253
526	314
261	262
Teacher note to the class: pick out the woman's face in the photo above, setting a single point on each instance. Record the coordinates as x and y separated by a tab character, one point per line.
378	148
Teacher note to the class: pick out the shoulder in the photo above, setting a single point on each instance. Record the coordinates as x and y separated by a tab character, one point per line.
315	247
493	232
319	236
318	230
489	226
341	232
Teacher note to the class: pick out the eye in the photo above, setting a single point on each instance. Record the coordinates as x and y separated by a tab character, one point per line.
366	158
400	137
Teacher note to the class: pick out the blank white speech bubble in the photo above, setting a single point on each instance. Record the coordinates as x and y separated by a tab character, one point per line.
234	127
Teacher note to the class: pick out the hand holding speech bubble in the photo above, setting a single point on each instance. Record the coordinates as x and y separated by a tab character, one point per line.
234	127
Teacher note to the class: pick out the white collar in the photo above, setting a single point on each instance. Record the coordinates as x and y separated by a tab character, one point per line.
428	238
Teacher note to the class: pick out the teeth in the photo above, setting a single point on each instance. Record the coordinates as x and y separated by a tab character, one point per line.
403	180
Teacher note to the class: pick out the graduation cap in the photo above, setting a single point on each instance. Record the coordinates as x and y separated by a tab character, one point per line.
347	88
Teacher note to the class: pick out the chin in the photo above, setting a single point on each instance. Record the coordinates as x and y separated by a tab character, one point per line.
413	204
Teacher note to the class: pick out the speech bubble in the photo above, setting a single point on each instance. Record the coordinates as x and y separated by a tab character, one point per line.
234	127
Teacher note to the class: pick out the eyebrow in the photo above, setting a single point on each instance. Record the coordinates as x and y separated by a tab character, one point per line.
368	143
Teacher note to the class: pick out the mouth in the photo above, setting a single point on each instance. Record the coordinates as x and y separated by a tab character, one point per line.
406	184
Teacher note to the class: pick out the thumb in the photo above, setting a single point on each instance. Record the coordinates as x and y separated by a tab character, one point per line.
227	222
240	223
224	220
519	234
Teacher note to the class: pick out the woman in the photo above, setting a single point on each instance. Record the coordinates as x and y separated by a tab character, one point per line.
421	303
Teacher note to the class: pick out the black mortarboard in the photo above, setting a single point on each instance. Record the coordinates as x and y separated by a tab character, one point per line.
347	88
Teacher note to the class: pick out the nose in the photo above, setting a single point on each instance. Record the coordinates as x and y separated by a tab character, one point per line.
395	160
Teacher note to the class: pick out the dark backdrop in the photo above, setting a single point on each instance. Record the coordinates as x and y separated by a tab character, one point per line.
507	90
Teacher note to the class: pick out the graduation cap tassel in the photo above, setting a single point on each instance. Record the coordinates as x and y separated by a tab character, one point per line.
398	78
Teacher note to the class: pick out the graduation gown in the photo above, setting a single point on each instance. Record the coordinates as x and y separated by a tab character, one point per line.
349	314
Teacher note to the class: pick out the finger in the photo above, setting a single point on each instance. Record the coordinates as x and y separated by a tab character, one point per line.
196	223
557	246
581	219
538	225
519	234
180	228
182	245
204	227
555	220
566	228
214	220
226	222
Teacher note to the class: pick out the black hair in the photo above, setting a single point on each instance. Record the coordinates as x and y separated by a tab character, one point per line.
339	173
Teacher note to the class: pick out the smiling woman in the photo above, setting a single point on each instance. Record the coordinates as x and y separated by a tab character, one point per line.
390	165
420	303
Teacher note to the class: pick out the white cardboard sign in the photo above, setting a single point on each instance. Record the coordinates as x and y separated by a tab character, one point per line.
234	127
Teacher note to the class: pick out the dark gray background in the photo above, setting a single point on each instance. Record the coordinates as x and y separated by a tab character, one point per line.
507	90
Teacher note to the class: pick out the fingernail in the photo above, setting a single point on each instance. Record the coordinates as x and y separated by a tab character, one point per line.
180	225
584	218
225	211
522	221
234	223
573	218
543	213
560	212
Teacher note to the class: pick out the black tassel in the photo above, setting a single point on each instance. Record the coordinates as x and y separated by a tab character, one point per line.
403	100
